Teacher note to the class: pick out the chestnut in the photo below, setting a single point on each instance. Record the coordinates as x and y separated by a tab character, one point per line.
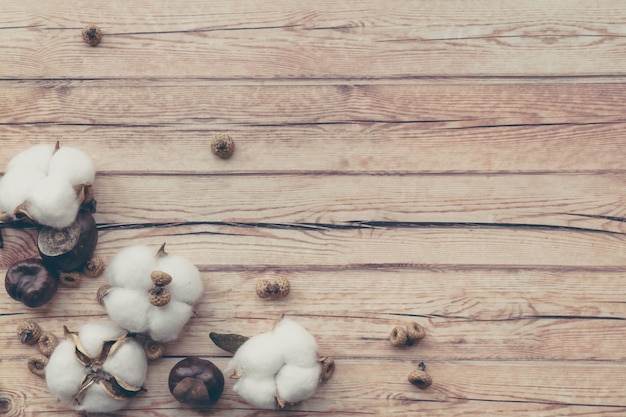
31	282
196	381
70	248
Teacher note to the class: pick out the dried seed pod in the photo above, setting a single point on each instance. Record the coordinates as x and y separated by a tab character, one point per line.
276	288
154	350
398	336
70	279
328	368
29	332
222	145
92	35
159	296
196	381
102	292
37	365
415	332
31	282
160	278
47	343
420	378
94	267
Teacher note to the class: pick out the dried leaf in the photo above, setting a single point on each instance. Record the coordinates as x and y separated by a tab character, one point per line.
230	342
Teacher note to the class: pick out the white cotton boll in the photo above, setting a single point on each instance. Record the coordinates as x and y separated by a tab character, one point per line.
128	308
131	268
186	282
259	356
64	374
258	391
34	158
15	187
73	165
166	322
295	383
93	334
298	345
96	400
53	202
129	363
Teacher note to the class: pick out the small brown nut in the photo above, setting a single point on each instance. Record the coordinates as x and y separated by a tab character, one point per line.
420	378
29	332
159	296
415	332
222	145
70	279
328	368
37	365
47	343
154	350
92	35
398	336
276	288
94	267
103	291
160	278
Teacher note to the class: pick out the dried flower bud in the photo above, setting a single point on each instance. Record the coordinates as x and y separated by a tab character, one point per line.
398	336
222	145
92	35
37	365
70	279
159	296
47	343
154	350
29	332
277	288
420	378
160	278
94	267
102	292
415	332
328	368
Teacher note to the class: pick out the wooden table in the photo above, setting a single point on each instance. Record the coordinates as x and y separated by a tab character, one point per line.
455	163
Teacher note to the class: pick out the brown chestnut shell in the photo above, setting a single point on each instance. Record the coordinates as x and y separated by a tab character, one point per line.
70	248
31	282
196	381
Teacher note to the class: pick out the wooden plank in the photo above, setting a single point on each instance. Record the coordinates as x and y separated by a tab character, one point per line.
229	247
205	104
364	334
352	40
355	148
384	388
454	293
570	201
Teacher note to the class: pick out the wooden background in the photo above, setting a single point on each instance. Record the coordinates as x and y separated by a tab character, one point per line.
456	163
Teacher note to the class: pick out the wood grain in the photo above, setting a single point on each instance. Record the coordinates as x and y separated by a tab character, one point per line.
458	164
460	105
356	148
400	40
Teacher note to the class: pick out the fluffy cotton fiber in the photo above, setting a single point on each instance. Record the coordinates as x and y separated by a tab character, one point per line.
46	182
65	374
128	301
277	367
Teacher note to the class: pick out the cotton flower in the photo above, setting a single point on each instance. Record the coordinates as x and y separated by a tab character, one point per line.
46	184
151	292
277	367
99	368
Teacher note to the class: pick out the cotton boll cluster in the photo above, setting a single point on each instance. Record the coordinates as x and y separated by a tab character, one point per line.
99	368
46	184
151	292
277	367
